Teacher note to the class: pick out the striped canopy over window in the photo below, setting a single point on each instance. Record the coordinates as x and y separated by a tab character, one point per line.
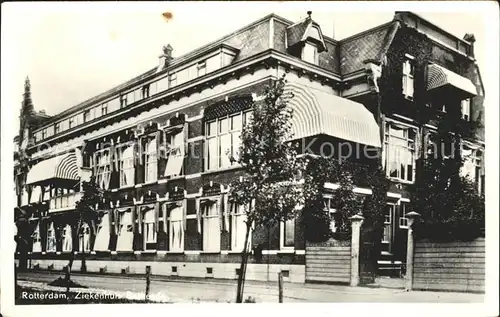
441	78
60	167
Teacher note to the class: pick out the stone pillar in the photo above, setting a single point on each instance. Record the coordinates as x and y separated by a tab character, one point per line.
410	250
356	222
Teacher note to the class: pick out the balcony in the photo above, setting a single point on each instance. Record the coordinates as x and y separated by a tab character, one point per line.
64	202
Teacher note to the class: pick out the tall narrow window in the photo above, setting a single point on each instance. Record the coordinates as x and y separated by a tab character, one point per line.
202	68
71	122
388	223
403	220
103	233
37	239
125	230
408	78
123	101
176	232
86	116
104	109
44	134
126	165
288	233
149	230
466	109
175	153
151	165
51	238
238	227
57	128
310	53
145	91
172	80
84	238
211	227
472	164
329	207
400	151
67	239
102	168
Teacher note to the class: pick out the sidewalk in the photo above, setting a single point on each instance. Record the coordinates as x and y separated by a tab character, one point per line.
211	290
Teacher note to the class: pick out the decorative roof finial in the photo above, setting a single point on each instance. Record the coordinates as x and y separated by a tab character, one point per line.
309	14
167	50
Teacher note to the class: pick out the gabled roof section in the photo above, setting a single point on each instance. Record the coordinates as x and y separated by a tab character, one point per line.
370	45
303	30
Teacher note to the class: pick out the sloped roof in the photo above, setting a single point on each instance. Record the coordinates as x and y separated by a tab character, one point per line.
296	33
369	45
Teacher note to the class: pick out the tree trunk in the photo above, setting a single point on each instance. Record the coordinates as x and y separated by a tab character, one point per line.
243	266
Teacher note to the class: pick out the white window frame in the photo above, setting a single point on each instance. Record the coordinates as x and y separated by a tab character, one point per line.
403	220
84	238
149	223
151	159
51	235
408	79
36	239
121	164
465	109
283	235
104	109
176	219
207	218
388	223
103	225
201	68
67	245
314	48
123	100
175	151
234	136
103	175
410	148
237	211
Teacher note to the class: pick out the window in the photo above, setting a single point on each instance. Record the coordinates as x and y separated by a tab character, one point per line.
202	68
472	164
37	239
288	233
310	53
238	227
104	109
176	232
175	154
102	168
442	108
44	134
182	76
213	63
408	79
163	84
403	221
84	238
332	212
145	91
400	151
57	128
125	230
466	109
126	165
211	226
387	223
149	229
51	238
71	122
223	140
123	101
151	166
67	239
114	104
103	233
172	80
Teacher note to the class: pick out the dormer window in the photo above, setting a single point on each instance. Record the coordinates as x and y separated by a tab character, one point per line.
310	53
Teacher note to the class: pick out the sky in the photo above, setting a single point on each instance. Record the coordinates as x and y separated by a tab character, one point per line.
72	52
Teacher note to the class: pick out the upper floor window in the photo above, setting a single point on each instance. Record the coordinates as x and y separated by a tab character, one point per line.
104	109
123	101
472	164
151	160
126	164
44	134
57	128
399	148
102	168
172	80
408	78
223	139
202	68
86	116
175	152
465	105
310	53
71	122
145	91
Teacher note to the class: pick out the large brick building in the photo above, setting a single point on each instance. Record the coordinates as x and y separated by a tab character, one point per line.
156	143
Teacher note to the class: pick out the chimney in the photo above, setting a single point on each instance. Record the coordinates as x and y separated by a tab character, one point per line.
165	58
469	37
309	14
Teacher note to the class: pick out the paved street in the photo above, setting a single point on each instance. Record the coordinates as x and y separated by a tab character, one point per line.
224	290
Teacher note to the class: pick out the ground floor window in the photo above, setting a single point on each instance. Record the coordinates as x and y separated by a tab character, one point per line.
149	228
51	238
211	226
67	239
176	230
238	227
389	211
125	230
84	238
403	220
103	233
288	233
37	240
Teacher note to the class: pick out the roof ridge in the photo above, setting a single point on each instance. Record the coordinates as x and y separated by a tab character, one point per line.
365	32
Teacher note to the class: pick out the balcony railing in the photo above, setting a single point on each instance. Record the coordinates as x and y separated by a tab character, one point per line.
65	201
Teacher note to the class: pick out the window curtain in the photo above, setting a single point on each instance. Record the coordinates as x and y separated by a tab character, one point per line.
211	226
127	169
67	239
151	160
103	233
37	239
238	227
125	229
84	238
51	238
176	232
176	150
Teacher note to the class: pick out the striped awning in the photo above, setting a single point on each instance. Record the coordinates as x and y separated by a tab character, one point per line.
439	77
60	167
317	112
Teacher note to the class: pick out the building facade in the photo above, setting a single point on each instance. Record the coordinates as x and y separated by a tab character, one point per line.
157	144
